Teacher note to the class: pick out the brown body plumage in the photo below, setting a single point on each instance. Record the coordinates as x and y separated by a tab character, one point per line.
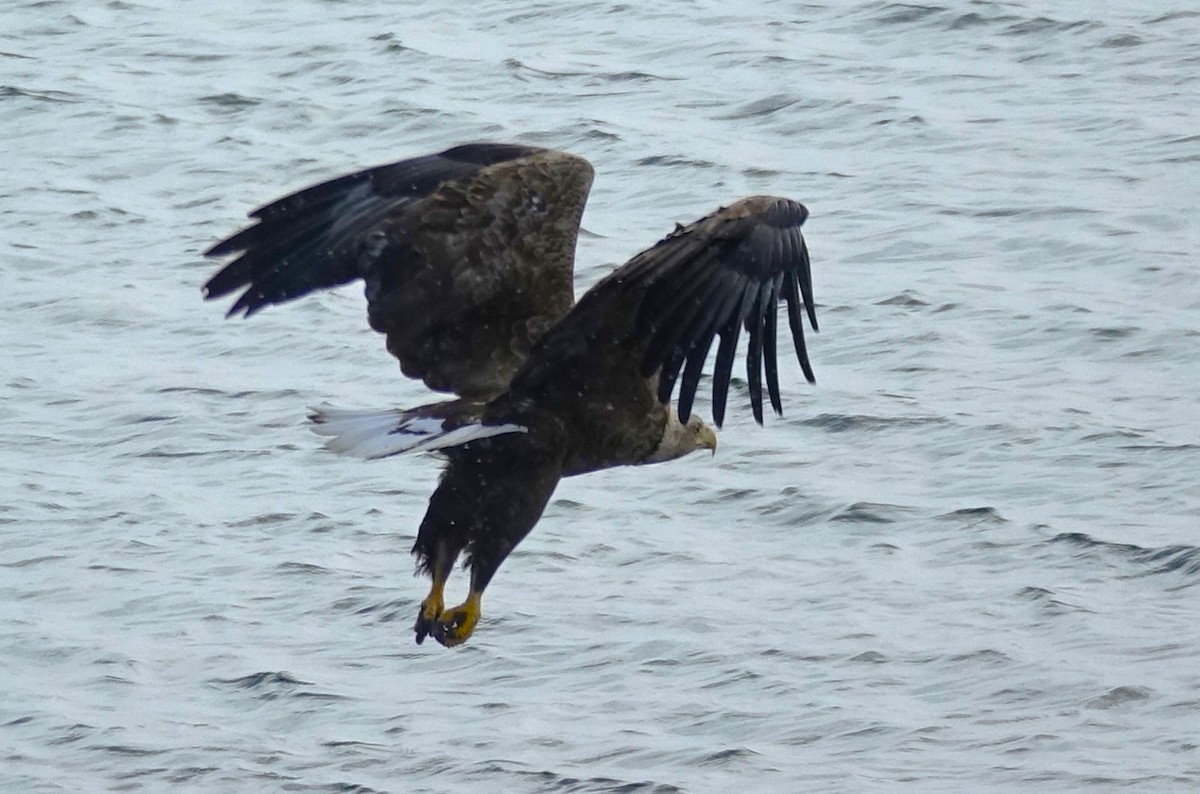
467	257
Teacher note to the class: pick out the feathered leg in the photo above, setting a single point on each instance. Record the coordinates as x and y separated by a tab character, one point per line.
506	522
439	564
440	539
491	495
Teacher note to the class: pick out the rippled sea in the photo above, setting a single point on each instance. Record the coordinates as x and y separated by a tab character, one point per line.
967	559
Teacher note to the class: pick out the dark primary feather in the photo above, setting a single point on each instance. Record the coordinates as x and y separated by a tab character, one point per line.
712	278
467	256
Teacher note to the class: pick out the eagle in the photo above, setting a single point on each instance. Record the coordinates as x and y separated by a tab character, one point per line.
467	257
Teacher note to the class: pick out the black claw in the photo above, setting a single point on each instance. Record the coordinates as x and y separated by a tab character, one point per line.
443	632
422	628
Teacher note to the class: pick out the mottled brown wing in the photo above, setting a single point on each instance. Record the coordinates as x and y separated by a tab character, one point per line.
661	311
467	255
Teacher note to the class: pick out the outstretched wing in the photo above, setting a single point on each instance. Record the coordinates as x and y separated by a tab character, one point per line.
663	309
724	272
467	255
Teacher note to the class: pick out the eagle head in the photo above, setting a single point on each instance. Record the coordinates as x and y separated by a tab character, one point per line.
681	438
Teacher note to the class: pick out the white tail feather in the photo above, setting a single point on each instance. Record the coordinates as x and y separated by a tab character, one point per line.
380	434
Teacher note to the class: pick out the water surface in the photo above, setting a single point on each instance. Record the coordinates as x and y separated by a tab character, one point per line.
964	560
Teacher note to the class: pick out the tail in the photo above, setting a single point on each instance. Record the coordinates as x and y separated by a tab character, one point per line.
381	434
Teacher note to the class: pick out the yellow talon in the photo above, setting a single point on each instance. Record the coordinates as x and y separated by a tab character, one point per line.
432	606
431	610
458	623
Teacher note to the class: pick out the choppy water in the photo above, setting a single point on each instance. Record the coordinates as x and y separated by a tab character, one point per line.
966	560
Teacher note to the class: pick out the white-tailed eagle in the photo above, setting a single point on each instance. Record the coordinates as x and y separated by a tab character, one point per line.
468	260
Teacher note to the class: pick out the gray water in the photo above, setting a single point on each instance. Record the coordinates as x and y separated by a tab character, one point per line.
966	560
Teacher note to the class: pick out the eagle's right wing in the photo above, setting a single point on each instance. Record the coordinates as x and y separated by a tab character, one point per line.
467	255
657	316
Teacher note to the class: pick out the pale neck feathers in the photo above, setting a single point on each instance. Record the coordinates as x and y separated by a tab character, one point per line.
679	439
